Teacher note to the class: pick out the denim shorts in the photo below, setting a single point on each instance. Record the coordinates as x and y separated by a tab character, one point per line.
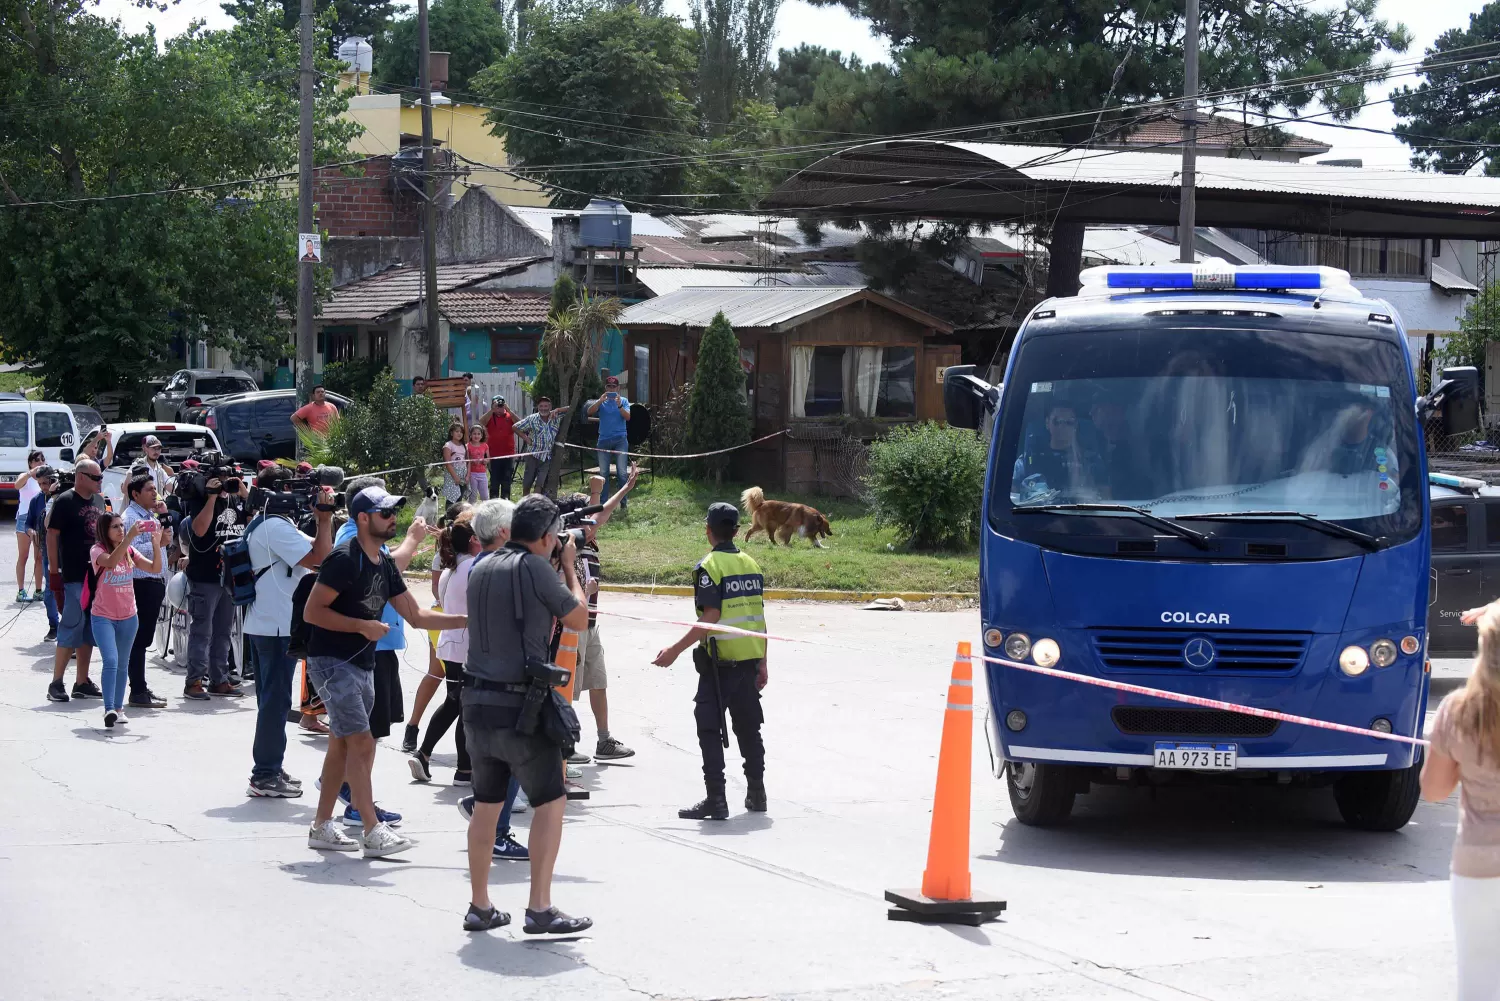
20	522
348	693
75	626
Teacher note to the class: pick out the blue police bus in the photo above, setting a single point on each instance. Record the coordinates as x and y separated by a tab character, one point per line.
1211	481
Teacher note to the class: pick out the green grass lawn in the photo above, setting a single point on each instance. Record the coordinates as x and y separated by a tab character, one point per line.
660	539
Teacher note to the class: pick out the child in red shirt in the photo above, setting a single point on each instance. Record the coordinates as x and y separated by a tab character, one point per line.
479	463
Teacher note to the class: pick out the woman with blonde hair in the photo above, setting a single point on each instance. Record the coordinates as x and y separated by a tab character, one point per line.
1465	754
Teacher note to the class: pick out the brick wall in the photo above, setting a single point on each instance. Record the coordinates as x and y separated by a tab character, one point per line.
365	205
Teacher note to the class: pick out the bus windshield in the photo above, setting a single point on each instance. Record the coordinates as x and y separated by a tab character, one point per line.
1188	421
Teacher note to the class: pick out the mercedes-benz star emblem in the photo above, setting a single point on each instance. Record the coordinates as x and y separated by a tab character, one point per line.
1198	653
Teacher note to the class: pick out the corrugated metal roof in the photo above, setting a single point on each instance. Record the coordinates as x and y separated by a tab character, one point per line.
379	296
1450	282
765	308
539	221
482	308
662	281
676	250
1091	166
1127	246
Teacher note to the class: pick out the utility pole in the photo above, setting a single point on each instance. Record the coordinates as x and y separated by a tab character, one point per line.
306	342
1187	217
429	205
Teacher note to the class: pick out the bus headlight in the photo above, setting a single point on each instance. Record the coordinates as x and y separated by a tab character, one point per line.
1383	653
1354	661
1410	645
1017	646
992	638
1045	652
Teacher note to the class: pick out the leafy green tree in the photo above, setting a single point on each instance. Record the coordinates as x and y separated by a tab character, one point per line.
365	18
966	62
734	46
1455	111
1477	329
385	430
473	32
718	414
624	77
130	209
572	344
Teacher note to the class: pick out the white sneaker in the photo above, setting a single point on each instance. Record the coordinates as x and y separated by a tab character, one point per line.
522	804
572	772
382	841
110	718
327	837
120	718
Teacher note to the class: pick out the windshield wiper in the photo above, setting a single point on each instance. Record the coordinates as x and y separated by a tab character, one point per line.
1370	542
1181	531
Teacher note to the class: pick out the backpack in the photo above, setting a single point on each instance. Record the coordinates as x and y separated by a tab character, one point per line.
240	575
300	633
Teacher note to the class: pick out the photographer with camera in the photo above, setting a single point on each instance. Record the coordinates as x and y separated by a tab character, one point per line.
150	585
514	721
280	556
217	499
70	535
355	583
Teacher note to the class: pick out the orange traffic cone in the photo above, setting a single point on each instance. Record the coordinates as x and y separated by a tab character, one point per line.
946	896
567	659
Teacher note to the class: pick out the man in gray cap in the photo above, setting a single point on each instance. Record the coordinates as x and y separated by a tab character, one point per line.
727	590
161	473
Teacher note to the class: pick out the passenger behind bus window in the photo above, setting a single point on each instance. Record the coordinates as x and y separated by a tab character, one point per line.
1360	449
1056	465
1124	479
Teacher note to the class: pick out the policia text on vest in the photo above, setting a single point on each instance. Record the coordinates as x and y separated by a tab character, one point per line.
727	590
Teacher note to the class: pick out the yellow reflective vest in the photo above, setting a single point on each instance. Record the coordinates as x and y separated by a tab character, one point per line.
738	580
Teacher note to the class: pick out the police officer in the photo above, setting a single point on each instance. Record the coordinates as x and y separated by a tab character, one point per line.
731	668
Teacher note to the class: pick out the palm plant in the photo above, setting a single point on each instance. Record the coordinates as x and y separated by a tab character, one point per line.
572	344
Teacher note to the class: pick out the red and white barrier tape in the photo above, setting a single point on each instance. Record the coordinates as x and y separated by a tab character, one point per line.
1119	686
650	455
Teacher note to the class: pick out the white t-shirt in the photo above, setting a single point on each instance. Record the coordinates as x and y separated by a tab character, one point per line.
276	544
29	489
453	595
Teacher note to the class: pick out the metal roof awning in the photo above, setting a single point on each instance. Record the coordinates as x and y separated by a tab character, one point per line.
1044	184
773	309
1450	282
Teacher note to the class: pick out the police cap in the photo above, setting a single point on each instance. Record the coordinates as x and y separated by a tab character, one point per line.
723	517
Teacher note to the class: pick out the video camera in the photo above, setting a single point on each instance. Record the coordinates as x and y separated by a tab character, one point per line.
575	519
297	496
192	483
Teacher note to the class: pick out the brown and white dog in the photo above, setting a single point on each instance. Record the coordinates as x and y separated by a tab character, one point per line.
779	519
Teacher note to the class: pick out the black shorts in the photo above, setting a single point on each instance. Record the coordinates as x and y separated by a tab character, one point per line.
388	708
497	753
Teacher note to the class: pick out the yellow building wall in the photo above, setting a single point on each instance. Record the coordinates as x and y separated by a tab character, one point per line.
459	127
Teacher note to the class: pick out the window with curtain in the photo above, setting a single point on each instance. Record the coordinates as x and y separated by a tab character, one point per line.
825	379
898	383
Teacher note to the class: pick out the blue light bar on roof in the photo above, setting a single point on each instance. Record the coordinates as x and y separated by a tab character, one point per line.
1214	277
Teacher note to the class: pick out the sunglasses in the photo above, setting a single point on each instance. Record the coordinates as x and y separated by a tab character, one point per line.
96	477
382	514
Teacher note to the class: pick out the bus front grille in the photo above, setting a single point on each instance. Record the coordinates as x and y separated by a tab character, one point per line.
1159	722
1229	649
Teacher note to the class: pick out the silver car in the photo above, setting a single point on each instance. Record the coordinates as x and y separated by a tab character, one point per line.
190	386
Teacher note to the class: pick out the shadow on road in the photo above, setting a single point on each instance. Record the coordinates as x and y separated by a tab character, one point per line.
495	953
1231	833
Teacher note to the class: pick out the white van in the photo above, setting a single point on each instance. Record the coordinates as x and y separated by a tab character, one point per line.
28	424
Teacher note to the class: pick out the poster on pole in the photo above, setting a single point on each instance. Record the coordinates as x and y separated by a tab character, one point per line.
310	248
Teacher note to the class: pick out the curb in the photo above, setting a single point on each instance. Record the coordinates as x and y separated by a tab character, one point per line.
794	594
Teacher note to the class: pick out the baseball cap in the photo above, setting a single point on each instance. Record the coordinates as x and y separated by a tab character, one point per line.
374	499
497	399
150	440
722	515
612	380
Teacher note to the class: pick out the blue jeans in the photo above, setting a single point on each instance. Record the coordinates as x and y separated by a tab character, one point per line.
49	600
502	826
611	452
113	638
211	617
274	668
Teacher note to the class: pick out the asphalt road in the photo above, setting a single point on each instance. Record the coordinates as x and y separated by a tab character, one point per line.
132	864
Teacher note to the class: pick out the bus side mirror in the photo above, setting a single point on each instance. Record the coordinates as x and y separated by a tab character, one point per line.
966	397
1455	401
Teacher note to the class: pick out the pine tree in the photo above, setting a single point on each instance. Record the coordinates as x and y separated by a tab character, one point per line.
718	412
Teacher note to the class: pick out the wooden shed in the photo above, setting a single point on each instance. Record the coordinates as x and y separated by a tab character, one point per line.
829	364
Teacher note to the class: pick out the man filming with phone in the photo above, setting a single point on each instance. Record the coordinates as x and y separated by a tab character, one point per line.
612	410
513	597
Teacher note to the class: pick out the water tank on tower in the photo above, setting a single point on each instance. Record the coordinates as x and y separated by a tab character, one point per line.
605	223
356	52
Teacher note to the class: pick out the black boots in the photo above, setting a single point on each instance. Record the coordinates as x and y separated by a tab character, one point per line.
755	797
711	807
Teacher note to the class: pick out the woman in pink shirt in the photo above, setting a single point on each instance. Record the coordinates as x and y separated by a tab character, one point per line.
1465	753
111	601
479	464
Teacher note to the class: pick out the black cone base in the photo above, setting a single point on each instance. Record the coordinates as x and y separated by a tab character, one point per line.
912	906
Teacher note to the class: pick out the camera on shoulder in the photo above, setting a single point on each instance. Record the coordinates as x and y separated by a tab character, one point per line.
295	497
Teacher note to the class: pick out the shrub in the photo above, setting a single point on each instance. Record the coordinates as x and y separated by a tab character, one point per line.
669	431
355	378
718	414
387	431
927	480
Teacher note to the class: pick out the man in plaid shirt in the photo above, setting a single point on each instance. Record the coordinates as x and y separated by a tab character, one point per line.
539	432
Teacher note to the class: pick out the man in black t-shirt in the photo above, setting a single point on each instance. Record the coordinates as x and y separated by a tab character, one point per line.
210	604
355	582
70	536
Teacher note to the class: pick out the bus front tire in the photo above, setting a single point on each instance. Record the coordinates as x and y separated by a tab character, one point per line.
1040	795
1379	801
